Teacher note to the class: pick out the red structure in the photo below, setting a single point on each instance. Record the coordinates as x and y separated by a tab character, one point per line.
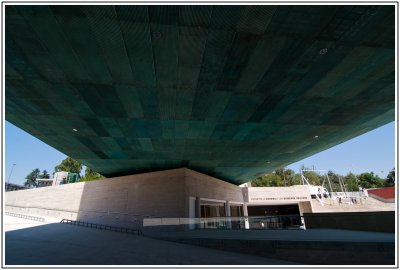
386	194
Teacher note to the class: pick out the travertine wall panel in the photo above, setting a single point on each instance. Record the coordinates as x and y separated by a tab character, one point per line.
204	186
66	197
305	207
124	201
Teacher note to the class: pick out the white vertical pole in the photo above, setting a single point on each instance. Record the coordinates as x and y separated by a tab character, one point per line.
246	215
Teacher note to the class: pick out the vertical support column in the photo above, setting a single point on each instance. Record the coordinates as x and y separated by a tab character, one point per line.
198	208
192	213
246	215
228	214
198	212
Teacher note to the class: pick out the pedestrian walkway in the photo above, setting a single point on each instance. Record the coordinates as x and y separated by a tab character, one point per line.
322	235
365	205
30	242
310	247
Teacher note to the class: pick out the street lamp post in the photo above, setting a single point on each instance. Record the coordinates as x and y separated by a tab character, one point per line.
12	168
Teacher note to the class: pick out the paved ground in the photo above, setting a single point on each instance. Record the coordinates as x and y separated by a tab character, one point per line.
322	235
309	247
45	243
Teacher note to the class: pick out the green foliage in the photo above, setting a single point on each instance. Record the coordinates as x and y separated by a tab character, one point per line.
69	165
91	178
281	173
295	179
90	175
90	172
285	177
370	180
31	178
313	178
288	177
268	180
44	175
334	179
390	179
350	181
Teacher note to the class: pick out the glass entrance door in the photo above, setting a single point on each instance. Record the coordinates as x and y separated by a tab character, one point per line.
213	215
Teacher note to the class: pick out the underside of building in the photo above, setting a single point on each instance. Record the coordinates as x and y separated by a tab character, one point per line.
229	91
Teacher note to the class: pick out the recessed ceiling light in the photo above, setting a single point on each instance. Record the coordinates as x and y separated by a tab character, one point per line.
323	51
74	129
316	136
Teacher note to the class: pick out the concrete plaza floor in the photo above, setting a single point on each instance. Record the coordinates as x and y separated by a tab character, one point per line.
30	242
309	247
322	235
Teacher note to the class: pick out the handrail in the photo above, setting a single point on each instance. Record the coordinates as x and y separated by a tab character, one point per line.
25	216
101	226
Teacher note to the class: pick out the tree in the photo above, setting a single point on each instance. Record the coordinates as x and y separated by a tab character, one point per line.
370	180
335	182
268	180
291	178
312	177
351	182
294	179
288	177
69	165
280	177
90	172
281	173
390	179
44	175
90	175
31	178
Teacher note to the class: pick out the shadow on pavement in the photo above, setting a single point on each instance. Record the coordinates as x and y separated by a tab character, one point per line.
62	244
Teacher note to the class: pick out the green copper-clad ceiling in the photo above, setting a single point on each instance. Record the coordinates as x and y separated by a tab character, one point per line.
230	91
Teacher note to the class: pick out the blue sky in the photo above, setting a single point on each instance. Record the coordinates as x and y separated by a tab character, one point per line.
373	151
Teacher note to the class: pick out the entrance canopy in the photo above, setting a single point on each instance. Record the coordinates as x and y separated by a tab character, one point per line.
230	91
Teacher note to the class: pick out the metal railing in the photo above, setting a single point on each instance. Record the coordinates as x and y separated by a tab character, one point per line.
101	226
222	223
25	216
350	194
230	223
275	222
253	223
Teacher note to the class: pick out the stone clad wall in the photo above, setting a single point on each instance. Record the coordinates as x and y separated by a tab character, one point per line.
123	201
54	201
126	200
204	186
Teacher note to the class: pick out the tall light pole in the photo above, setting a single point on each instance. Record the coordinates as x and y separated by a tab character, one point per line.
12	168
